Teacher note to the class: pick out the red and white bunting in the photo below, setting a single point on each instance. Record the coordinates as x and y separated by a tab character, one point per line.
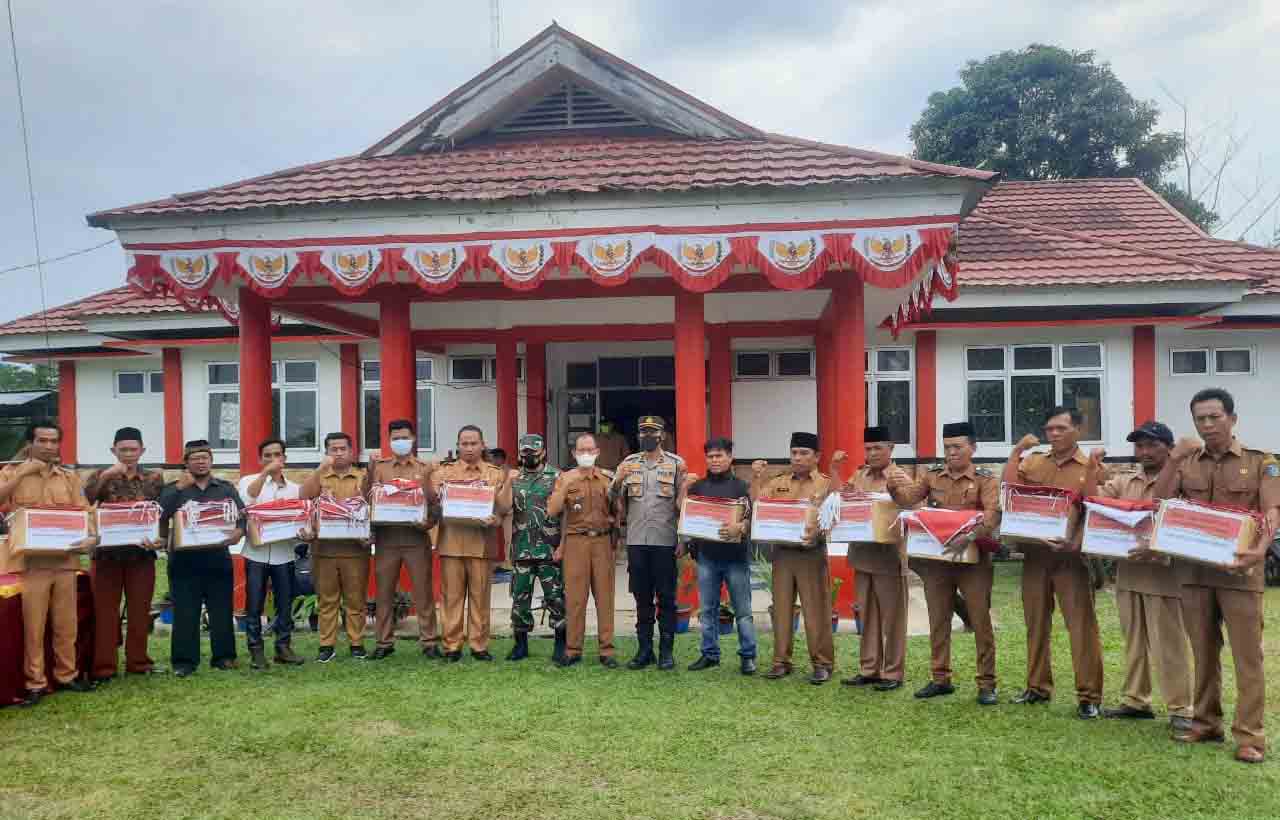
790	261
522	263
611	260
437	267
698	263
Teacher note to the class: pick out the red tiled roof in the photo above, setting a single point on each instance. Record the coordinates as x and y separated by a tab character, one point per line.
69	318
550	165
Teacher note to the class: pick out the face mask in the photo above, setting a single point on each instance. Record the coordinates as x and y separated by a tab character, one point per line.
586	460
648	443
530	461
402	446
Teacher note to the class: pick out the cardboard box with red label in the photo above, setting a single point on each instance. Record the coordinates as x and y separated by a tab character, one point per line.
127	524
780	521
46	530
866	518
1203	533
930	531
345	519
702	518
203	525
1036	514
276	522
1113	527
397	502
467	502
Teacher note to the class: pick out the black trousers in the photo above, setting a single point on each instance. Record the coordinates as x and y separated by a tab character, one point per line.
256	577
201	578
652	573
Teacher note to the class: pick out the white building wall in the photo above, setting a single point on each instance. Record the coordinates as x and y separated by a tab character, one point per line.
100	412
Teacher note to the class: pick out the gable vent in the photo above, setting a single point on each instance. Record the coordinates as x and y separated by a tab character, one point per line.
569	107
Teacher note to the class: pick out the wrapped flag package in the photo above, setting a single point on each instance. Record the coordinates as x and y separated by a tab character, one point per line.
128	523
398	501
1204	533
929	531
1036	514
274	522
467	502
703	517
48	530
203	524
861	517
780	520
345	519
1114	527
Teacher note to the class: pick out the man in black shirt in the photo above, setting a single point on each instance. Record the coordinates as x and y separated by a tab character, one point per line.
201	576
724	561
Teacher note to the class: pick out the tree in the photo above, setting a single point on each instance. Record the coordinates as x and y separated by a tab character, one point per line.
15	377
1048	113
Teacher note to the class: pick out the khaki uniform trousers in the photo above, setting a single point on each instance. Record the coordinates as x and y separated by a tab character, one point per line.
345	582
1152	627
465	584
974	582
1204	611
588	568
48	592
1046	575
386	573
882	651
803	572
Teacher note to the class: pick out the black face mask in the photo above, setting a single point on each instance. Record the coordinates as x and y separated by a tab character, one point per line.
649	443
531	461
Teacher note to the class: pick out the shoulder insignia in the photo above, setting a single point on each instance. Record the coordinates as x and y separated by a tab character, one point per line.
937	468
606	473
984	472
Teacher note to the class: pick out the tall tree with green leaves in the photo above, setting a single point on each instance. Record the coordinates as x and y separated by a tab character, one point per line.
1044	112
39	377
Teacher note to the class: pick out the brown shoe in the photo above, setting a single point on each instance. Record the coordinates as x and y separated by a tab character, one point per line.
821	675
286	656
778	670
1249	754
1199	736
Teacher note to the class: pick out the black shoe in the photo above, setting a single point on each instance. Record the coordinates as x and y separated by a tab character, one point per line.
748	666
608	662
521	650
821	675
78	685
382	653
1126	712
183	671
1030	697
481	656
932	689
987	697
557	653
644	655
887	685
432	652
100	682
257	658
325	655
453	657
1179	724
666	646
30	697
358	653
1088	711
569	660
861	680
226	665
703	662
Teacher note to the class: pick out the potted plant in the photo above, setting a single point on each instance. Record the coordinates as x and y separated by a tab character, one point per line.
304	607
764	570
726	619
836	583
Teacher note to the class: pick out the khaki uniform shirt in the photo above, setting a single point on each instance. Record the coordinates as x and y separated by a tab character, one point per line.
582	502
349	484
469	540
814	488
1238	479
647	493
54	484
1067	474
877	559
1147	577
402	535
974	489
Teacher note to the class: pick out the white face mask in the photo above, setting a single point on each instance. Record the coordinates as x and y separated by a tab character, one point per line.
586	460
402	446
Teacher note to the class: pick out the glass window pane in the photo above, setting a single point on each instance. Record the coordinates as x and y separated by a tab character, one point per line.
520	368
224	374
371	371
275	372
1076	357
372	419
658	371
275	413
795	363
1085	394
1033	358
224	421
425	433
128	384
300	419
893	361
467	370
581	375
424	370
985	358
1186	362
893	409
615	372
300	372
753	364
157	382
986	410
1232	361
1031	397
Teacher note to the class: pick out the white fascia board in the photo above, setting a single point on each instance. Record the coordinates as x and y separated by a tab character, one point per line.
1039	297
1264	305
57	341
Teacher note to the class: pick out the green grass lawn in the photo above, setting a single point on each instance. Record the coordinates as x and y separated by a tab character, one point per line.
412	738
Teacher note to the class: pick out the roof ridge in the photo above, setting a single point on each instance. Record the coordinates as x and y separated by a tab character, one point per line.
1164	203
863	153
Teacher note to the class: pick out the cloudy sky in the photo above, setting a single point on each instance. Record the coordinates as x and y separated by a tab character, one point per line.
138	99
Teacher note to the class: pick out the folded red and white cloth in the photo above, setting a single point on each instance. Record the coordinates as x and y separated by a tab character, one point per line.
1035	512
1114	527
278	521
341	519
204	524
931	530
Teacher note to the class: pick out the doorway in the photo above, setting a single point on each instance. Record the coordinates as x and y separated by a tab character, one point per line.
625	407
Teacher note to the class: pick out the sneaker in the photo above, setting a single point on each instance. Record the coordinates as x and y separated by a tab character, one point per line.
1088	711
188	671
933	689
748	666
1029	697
988	697
326	654
608	662
432	652
1179	724
383	652
568	660
704	662
358	653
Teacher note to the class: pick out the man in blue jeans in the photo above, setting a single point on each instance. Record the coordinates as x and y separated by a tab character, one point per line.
724	561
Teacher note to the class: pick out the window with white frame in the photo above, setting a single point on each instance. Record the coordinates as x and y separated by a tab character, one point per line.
1010	388
1218	361
889	374
776	364
371	404
139	382
294	403
479	369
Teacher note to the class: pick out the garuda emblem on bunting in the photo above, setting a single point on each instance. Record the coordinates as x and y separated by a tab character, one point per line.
700	254
521	261
887	251
790	254
610	260
435	264
352	266
191	271
269	269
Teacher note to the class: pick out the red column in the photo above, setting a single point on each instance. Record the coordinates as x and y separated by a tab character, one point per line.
825	388
721	382
508	401
67	410
926	394
349	392
535	386
173	433
691	380
848	341
255	377
399	376
1144	374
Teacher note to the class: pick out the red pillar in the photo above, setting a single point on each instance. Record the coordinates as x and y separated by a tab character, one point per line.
535	385
399	376
508	401
171	358
349	392
848	339
721	382
691	380
1144	374
255	377
926	394
67	410
825	389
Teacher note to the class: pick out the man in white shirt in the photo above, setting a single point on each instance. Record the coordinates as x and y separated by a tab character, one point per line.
271	562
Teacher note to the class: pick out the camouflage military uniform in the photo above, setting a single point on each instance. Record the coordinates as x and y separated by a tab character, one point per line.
534	536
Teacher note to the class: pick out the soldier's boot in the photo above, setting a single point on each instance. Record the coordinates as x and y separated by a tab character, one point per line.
644	657
557	654
521	650
666	647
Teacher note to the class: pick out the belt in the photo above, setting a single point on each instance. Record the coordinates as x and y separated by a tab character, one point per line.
592	533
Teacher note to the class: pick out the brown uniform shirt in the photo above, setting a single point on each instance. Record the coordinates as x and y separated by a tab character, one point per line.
54	484
582	502
349	484
973	489
1240	478
1147	577
877	559
466	540
814	488
384	470
1045	470
144	485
